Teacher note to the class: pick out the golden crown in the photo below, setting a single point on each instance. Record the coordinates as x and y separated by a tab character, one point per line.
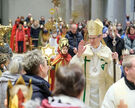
19	93
125	52
63	42
94	27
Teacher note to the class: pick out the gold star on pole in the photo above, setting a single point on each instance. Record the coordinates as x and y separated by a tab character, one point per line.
48	51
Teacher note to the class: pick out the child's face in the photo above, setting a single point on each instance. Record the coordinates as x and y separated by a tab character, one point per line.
54	34
20	26
125	55
64	50
64	30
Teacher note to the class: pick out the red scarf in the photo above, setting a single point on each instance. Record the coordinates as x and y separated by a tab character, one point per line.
62	57
131	37
67	57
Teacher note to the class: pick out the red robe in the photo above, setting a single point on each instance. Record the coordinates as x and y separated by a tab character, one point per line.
21	99
27	32
60	60
60	36
13	33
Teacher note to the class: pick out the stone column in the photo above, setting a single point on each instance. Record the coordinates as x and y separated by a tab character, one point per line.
0	11
81	7
130	5
97	9
62	9
116	9
5	12
68	10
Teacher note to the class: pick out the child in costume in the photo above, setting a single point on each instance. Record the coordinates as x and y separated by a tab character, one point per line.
20	39
13	33
45	36
53	40
62	33
62	59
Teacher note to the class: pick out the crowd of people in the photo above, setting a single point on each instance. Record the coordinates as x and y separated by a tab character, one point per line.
90	57
29	33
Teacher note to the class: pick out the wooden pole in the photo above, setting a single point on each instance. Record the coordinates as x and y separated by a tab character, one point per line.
114	61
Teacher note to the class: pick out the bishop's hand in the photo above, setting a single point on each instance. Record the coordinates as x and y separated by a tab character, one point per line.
115	56
132	51
122	104
81	48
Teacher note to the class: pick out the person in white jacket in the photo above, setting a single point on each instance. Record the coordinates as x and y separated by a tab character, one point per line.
123	91
53	40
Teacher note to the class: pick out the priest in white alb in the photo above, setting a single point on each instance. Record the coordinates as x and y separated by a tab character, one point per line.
122	93
97	61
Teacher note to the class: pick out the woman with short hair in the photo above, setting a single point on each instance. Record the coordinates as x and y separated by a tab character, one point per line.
36	68
15	69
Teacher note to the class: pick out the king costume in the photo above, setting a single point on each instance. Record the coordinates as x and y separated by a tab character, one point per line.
61	59
98	68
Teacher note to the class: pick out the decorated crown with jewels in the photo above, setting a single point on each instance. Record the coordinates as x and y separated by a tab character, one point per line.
63	42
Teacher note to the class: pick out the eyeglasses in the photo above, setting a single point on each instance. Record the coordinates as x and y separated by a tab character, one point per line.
112	30
94	37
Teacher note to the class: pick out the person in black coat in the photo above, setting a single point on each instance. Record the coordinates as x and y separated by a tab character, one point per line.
119	42
34	32
28	18
39	85
74	38
36	69
42	21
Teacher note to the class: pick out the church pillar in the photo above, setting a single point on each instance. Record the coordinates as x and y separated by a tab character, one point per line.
0	11
62	9
81	8
5	11
68	10
97	7
116	10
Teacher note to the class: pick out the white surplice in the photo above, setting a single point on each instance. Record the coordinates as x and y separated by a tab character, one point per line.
99	73
119	91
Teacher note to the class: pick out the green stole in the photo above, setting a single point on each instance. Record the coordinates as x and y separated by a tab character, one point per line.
85	61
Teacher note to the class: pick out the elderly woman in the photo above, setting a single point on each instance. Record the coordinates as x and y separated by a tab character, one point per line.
69	85
15	69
